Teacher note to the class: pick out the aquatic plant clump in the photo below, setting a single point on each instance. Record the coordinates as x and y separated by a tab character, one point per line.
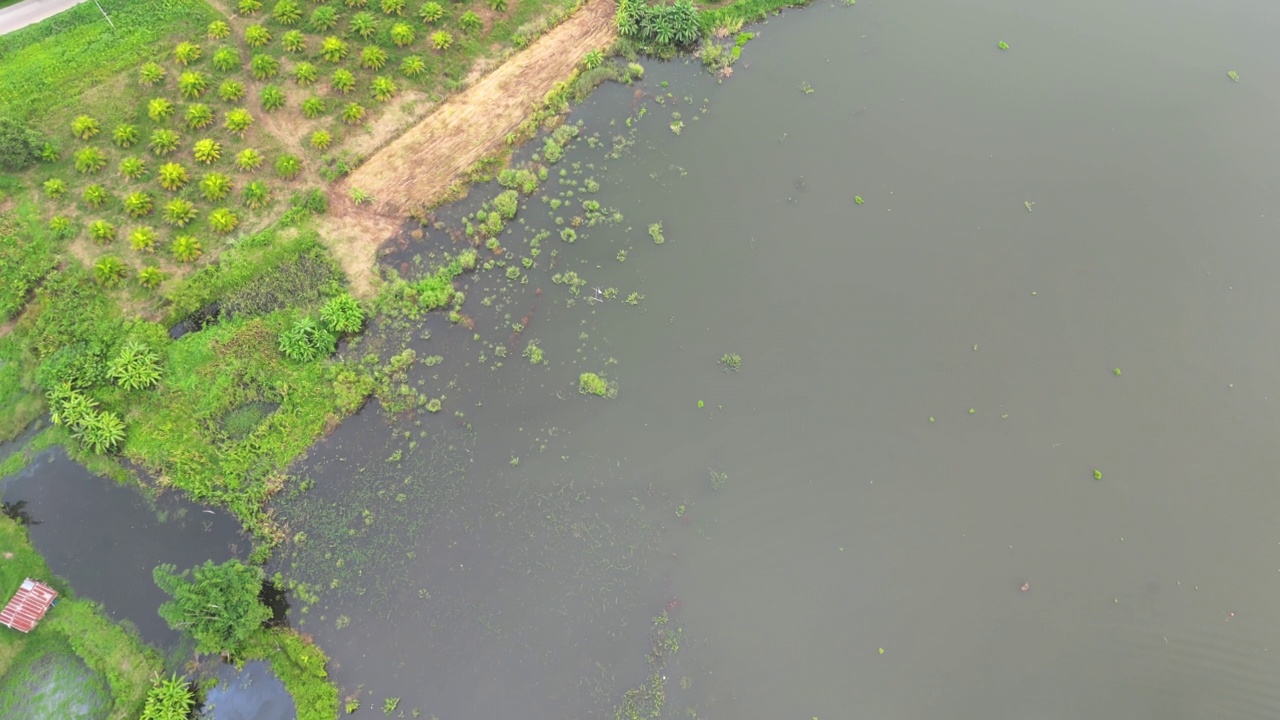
731	362
592	384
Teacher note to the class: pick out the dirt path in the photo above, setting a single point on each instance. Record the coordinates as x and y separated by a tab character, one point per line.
417	167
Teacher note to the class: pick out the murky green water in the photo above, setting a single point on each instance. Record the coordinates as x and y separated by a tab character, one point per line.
1099	196
844	527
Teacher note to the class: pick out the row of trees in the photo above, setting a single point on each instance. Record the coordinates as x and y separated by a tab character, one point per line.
674	25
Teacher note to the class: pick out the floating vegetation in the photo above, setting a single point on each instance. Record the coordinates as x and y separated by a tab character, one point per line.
1235	77
1097	474
592	384
1002	45
655	232
390	704
1116	372
434	405
857	199
634	298
1028	204
731	362
806	88
718	479
534	354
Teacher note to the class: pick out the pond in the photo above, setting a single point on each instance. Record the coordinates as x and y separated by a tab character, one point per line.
1061	269
106	538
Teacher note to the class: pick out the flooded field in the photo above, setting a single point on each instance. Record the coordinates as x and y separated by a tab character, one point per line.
943	376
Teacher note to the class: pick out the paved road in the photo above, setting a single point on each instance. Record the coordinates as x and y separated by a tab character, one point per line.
29	12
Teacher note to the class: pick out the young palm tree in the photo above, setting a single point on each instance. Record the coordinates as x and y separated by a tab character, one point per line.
342	81
231	90
61	227
355	3
215	186
256	36
333	49
186	53
305	74
324	19
373	58
55	187
95	195
364	25
470	22
109	271
287	12
159	110
272	98
172	177
321	140
255	195
192	84
207	151
383	88
441	40
163	141
133	168
219	30
150	277
248	159
85	127
102	232
263	67
412	67
199	116
150	74
294	41
248	7
143	239
186	249
313	107
431	12
179	212
90	160
353	113
402	34
237	121
138	204
125	135
288	166
393	7
225	59
223	221
498	5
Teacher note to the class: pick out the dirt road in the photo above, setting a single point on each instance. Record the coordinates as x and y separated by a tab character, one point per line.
417	167
30	12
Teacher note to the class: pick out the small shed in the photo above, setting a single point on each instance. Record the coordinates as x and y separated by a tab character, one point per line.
28	605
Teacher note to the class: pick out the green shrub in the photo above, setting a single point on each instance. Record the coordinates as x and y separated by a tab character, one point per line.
470	22
324	19
179	212
102	232
256	36
207	151
186	53
169	699
287	12
19	145
231	90
249	159
215	186
413	66
342	81
431	12
342	315
238	121
272	98
306	341
151	74
313	107
223	221
219	30
288	166
364	25
333	49
134	367
263	67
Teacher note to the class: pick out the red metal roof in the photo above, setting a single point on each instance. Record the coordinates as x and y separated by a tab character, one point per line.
28	605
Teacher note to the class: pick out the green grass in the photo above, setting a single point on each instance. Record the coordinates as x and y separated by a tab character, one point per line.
73	627
300	665
742	11
26	256
47	66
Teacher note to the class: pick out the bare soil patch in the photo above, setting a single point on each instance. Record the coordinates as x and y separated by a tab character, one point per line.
417	168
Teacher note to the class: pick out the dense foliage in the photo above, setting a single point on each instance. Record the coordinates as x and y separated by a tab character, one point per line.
673	25
170	698
217	605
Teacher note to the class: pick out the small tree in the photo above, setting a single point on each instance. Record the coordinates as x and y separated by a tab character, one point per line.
217	605
125	135
19	145
294	41
226	59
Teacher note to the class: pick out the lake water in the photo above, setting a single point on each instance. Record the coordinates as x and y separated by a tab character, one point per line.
928	390
928	386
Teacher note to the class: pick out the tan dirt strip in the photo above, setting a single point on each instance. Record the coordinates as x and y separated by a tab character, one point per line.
417	168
